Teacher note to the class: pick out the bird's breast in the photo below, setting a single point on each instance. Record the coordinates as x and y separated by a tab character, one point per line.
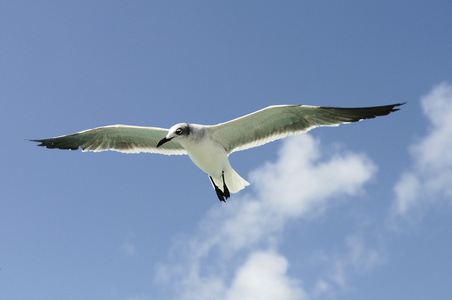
208	156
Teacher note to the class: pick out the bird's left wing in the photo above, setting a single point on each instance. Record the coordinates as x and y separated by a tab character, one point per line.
276	122
121	138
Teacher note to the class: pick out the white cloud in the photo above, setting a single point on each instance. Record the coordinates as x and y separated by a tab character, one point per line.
225	260
263	276
300	182
431	174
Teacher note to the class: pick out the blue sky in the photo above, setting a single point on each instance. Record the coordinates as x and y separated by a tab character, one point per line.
361	211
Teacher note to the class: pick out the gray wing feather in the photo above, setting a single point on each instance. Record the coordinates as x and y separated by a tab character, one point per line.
121	138
276	122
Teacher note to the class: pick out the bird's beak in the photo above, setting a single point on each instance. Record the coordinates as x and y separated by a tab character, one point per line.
163	141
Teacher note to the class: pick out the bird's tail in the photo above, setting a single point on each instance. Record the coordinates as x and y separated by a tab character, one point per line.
233	180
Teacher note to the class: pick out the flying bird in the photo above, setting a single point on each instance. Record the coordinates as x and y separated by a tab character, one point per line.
209	146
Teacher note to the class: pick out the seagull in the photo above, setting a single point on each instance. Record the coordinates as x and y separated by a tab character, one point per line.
209	146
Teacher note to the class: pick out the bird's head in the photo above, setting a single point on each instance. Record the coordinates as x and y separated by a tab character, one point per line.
177	132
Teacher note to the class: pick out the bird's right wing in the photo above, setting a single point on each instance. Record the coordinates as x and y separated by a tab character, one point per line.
121	138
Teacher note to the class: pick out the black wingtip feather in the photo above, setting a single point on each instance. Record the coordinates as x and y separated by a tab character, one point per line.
355	114
398	104
51	145
38	141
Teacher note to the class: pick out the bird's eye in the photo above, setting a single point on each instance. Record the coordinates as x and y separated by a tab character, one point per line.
178	131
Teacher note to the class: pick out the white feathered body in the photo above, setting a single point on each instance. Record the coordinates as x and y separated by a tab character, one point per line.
212	158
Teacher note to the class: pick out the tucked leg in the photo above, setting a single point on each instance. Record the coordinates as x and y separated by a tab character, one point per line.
220	194
225	188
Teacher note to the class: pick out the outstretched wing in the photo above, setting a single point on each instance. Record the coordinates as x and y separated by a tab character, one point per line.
121	138
276	122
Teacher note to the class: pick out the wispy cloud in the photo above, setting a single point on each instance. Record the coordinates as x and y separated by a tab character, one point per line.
358	257
128	248
430	176
234	254
139	297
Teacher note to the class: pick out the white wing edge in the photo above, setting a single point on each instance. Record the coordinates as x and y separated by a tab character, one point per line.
137	150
